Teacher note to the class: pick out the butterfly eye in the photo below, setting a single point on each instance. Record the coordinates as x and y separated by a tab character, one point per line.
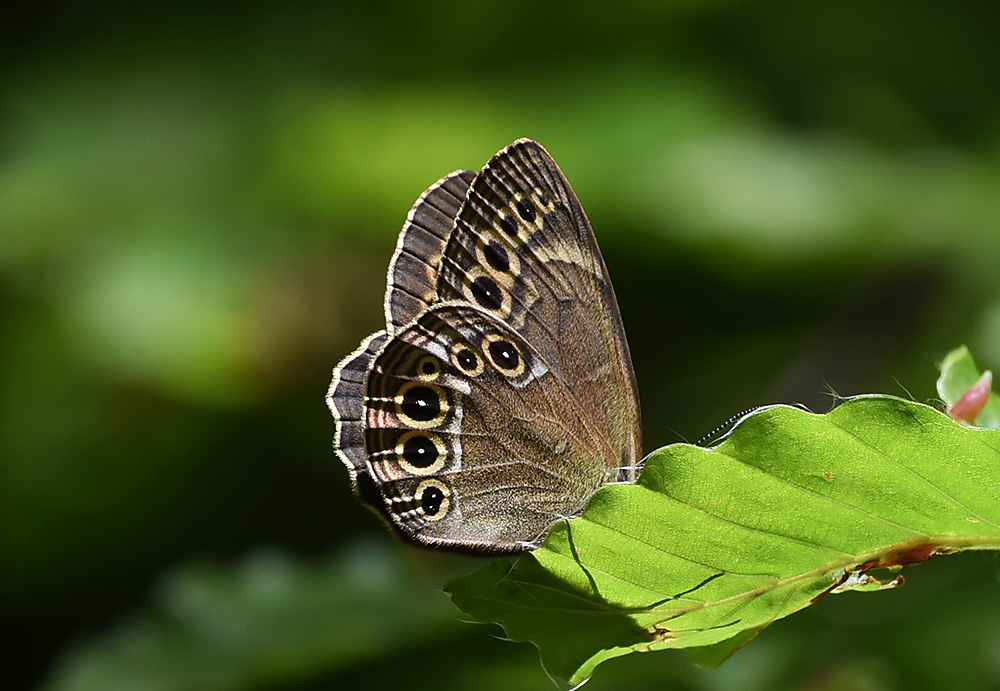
433	499
420	453
503	355
421	405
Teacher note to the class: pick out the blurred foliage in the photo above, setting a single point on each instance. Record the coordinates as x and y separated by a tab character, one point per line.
198	204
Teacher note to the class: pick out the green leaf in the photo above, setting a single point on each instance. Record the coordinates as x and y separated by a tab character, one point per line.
712	545
958	373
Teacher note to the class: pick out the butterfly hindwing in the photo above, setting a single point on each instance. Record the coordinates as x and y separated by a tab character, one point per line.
473	441
412	278
345	398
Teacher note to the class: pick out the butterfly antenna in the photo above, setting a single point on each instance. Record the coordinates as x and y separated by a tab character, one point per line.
717	434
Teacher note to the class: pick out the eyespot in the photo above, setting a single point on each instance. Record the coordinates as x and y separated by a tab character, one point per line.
526	210
484	291
503	355
428	368
509	225
498	257
524	207
542	200
466	359
421	453
433	499
421	404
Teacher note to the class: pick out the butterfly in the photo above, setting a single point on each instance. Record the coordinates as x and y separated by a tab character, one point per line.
500	395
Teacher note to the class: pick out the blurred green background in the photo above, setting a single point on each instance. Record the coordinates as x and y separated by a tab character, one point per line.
197	208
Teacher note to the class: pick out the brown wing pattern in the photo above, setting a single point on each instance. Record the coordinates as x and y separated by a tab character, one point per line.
412	278
346	401
501	394
523	250
473	441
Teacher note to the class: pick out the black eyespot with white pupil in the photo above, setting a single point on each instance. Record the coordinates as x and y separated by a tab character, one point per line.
525	210
431	499
504	355
420	452
487	293
421	403
467	360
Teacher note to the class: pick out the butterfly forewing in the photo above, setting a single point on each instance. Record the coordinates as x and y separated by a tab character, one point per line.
523	249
